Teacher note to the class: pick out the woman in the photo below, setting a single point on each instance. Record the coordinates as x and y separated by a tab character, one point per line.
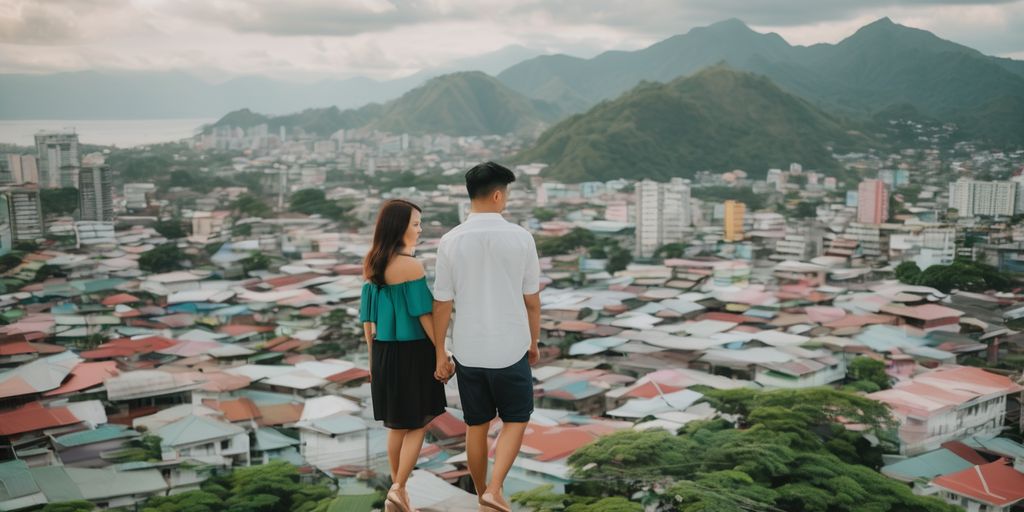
408	363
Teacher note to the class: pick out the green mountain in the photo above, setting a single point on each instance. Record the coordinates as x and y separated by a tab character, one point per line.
882	64
718	119
467	103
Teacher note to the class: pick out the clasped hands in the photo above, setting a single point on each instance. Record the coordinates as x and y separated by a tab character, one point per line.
445	368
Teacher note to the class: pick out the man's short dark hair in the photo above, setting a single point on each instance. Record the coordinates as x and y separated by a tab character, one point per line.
483	179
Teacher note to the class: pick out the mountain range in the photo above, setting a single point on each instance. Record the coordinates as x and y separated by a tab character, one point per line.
718	118
465	103
881	65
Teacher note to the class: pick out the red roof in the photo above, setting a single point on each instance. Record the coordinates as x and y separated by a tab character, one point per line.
649	390
964	452
447	426
349	375
121	298
235	410
730	317
314	311
280	414
24	347
995	483
238	330
278	282
32	417
125	347
85	376
555	443
296	345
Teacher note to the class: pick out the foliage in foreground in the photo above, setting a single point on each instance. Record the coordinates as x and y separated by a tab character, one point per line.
786	452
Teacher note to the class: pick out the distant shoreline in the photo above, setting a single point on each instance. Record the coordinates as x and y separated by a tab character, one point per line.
123	133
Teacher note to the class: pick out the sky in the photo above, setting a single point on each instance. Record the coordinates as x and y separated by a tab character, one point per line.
306	40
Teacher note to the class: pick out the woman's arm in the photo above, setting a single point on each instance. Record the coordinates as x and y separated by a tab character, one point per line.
427	321
369	330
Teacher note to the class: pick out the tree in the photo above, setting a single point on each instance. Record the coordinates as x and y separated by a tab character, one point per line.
964	275
191	501
170	229
69	506
672	250
907	272
314	202
141	449
256	261
252	206
543	214
58	201
870	370
164	258
806	210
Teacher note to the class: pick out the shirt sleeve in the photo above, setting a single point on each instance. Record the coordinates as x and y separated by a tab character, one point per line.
418	299
444	286
368	303
531	274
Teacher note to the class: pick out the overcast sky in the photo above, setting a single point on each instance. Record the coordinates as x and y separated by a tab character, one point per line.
310	39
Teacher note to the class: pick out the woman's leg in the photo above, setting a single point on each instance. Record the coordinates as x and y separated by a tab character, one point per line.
395	437
411	446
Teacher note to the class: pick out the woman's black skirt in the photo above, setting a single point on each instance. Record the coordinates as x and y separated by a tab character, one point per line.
405	393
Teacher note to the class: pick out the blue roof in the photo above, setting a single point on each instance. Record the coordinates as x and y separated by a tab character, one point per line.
340	424
882	338
997	445
927	466
102	433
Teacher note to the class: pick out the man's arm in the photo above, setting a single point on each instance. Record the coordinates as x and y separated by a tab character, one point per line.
442	318
532	302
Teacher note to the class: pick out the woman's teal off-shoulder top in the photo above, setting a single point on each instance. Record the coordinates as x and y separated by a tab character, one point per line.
396	309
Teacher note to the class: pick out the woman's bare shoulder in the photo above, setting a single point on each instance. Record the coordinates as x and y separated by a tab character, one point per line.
404	268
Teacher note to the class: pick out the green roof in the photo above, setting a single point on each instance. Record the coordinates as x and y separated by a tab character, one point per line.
266	356
16	480
196	429
97	285
105	432
928	466
270	439
95	484
56	484
998	445
355	503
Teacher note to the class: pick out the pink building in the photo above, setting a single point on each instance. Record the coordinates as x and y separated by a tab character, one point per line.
949	403
872	202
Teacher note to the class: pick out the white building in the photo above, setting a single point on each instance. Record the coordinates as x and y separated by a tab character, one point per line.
96	194
334	441
992	198
136	195
58	158
662	214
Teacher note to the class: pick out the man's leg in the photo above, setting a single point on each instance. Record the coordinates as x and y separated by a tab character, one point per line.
477	446
509	442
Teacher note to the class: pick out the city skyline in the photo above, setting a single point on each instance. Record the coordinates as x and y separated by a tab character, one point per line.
384	39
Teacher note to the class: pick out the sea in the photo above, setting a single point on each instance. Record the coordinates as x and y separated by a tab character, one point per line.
121	133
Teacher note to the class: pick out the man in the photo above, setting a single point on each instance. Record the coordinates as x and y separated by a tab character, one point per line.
487	269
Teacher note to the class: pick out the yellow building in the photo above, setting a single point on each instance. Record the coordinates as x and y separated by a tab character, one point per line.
734	211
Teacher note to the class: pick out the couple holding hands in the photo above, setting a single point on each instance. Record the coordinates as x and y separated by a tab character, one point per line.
488	272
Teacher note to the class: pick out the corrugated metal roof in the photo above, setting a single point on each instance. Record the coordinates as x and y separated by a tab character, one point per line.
196	429
16	480
927	466
102	433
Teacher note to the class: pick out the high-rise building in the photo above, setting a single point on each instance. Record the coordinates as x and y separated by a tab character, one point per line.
135	195
992	198
734	212
58	159
872	202
96	193
662	214
24	212
18	169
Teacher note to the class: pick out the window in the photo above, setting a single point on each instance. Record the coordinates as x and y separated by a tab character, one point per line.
224	445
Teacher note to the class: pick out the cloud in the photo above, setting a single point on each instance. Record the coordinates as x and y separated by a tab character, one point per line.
385	39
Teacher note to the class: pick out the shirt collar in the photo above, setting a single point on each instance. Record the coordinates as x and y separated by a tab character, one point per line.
484	216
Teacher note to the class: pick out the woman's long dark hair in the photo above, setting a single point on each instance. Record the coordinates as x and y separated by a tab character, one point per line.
392	223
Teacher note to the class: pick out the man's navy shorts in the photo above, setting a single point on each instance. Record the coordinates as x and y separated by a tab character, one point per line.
489	392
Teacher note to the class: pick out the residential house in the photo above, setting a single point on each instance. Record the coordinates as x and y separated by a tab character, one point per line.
948	403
